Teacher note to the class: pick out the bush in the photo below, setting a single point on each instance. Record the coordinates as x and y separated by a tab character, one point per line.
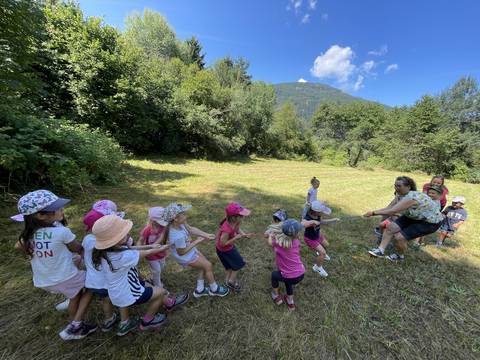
334	157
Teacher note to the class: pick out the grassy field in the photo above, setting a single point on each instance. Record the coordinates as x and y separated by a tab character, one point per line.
426	307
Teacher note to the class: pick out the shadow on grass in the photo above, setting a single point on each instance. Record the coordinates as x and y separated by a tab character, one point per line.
175	160
425	307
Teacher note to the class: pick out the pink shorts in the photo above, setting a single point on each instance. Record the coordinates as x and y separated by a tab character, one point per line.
70	288
313	244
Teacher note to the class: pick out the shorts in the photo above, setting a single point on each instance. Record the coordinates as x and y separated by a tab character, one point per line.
446	229
313	244
411	228
102	293
146	295
71	287
231	259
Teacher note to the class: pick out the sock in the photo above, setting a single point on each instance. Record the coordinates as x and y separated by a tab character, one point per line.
200	285
214	286
76	324
290	299
147	318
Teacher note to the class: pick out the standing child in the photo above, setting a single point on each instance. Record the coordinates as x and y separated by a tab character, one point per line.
312	236
50	248
435	193
185	252
118	263
311	194
290	271
439	181
455	216
227	252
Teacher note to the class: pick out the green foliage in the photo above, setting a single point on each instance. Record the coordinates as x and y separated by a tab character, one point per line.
192	50
232	72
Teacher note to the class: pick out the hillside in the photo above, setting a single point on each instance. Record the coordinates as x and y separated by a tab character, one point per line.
308	96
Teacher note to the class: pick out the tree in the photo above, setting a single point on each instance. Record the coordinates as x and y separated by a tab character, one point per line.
232	72
193	52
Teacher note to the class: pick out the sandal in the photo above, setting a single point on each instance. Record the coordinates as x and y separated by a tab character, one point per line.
234	286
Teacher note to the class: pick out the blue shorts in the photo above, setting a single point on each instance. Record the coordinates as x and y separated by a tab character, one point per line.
103	293
231	259
146	296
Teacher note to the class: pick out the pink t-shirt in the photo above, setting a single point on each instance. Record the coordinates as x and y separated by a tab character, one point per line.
443	199
231	231
288	260
149	235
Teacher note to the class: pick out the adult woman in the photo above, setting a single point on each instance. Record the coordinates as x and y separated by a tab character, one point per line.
420	216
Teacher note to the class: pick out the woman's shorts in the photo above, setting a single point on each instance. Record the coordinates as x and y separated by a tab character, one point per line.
71	287
231	259
411	228
313	244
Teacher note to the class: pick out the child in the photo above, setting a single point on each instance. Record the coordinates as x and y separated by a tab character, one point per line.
455	216
227	252
50	248
290	271
311	194
118	263
435	193
150	235
185	252
439	181
312	236
279	216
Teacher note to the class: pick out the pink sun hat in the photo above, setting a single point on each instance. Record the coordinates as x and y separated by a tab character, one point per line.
234	208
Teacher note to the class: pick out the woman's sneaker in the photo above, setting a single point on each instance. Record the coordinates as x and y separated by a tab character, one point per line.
320	270
396	257
376	253
154	324
177	300
198	294
108	324
221	291
124	329
63	305
77	333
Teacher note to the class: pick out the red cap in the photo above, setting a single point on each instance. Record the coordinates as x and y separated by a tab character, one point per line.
90	218
233	209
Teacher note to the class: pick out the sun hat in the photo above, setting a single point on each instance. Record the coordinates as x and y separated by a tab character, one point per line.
280	214
109	230
318	206
172	210
435	188
291	227
156	214
234	208
459	199
38	200
90	218
107	207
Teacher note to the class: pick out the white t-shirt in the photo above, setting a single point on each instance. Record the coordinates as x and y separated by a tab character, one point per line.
312	195
52	261
95	279
181	239
123	284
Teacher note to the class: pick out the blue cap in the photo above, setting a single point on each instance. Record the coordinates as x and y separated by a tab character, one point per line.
291	227
280	214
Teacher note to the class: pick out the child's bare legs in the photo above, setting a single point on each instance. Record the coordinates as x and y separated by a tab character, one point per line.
155	301
441	238
78	305
205	271
231	276
124	314
107	308
321	252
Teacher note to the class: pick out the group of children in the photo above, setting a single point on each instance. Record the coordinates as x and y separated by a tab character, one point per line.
105	264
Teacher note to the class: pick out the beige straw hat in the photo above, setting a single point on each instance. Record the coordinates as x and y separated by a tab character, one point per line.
109	230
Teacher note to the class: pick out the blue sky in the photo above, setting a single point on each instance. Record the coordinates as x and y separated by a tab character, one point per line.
388	51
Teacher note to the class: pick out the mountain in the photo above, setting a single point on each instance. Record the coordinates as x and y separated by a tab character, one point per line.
308	96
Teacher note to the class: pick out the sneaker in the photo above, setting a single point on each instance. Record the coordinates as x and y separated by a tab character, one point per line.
63	305
439	244
234	286
396	257
177	300
154	324
77	333
376	253
320	270
108	325
377	231
278	299
221	291
124	329
291	307
327	258
204	292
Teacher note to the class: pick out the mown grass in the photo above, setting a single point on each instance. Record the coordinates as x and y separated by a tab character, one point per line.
426	307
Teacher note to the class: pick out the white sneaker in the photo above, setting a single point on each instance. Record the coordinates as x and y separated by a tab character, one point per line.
320	270
327	257
63	305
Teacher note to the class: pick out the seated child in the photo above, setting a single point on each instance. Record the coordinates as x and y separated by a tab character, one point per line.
455	216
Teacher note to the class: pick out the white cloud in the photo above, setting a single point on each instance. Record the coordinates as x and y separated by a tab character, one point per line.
296	4
324	17
302	80
390	68
359	83
367	66
336	64
306	18
380	52
312	4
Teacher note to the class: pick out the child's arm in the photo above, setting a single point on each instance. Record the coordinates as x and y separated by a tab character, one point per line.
225	241
457	225
197	232
310	223
153	251
329	221
270	239
183	251
75	247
